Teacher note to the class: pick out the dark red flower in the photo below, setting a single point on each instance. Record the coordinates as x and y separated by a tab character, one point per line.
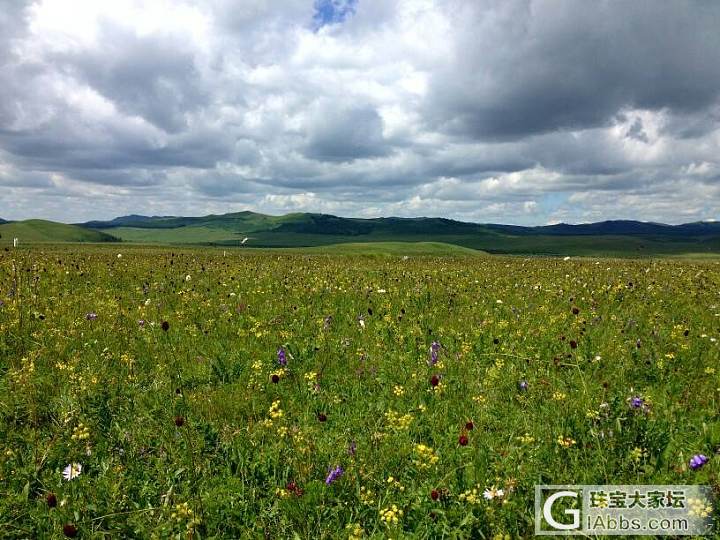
179	421
275	378
51	500
434	380
322	417
463	440
469	426
434	494
165	326
70	530
575	311
573	344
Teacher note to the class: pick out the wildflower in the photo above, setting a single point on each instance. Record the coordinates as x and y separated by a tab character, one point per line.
526	439
71	471
636	402
573	344
179	421
81	432
434	494
637	454
165	326
469	426
366	496
463	439
327	321
352	448
434	380
334	474
355	531
51	500
91	316
434	348
391	515
469	496
565	442
275	378
493	493
188	278
322	417
282	359
698	461
70	530
292	487
275	410
523	386
699	508
426	457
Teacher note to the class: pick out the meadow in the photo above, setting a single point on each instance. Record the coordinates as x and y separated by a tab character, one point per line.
194	393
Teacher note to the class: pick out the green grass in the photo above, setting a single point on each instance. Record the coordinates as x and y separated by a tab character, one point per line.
182	235
40	231
165	422
398	249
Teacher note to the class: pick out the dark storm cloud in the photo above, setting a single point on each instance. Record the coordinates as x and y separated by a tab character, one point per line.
530	67
345	134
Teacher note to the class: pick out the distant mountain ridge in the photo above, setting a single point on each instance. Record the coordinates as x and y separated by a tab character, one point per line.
311	223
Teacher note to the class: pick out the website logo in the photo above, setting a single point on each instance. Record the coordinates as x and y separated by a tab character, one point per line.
623	510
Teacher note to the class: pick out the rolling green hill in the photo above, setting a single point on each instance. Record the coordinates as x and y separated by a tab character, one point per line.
612	238
41	231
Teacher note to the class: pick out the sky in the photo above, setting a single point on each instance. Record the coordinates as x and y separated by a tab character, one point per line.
507	111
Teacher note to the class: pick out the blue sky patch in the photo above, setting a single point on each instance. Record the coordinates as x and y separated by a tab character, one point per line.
332	11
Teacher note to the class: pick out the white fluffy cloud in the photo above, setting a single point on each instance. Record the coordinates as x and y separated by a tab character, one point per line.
516	111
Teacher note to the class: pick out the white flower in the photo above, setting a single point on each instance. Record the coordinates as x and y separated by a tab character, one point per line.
73	470
492	493
188	277
119	255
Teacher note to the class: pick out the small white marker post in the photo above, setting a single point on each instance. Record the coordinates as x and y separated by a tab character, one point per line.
15	242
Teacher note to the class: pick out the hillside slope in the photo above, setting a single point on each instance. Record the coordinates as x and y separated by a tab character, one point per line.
41	231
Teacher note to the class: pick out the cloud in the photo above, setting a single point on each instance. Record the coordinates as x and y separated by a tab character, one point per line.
345	134
517	111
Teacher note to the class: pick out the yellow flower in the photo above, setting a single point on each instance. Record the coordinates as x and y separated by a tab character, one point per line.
391	515
426	457
565	442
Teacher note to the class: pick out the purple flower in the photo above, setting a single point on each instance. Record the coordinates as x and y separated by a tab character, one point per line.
333	474
698	461
434	349
636	402
141	323
523	386
282	359
91	316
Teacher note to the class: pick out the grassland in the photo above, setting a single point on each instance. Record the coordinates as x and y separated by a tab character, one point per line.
160	372
41	231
